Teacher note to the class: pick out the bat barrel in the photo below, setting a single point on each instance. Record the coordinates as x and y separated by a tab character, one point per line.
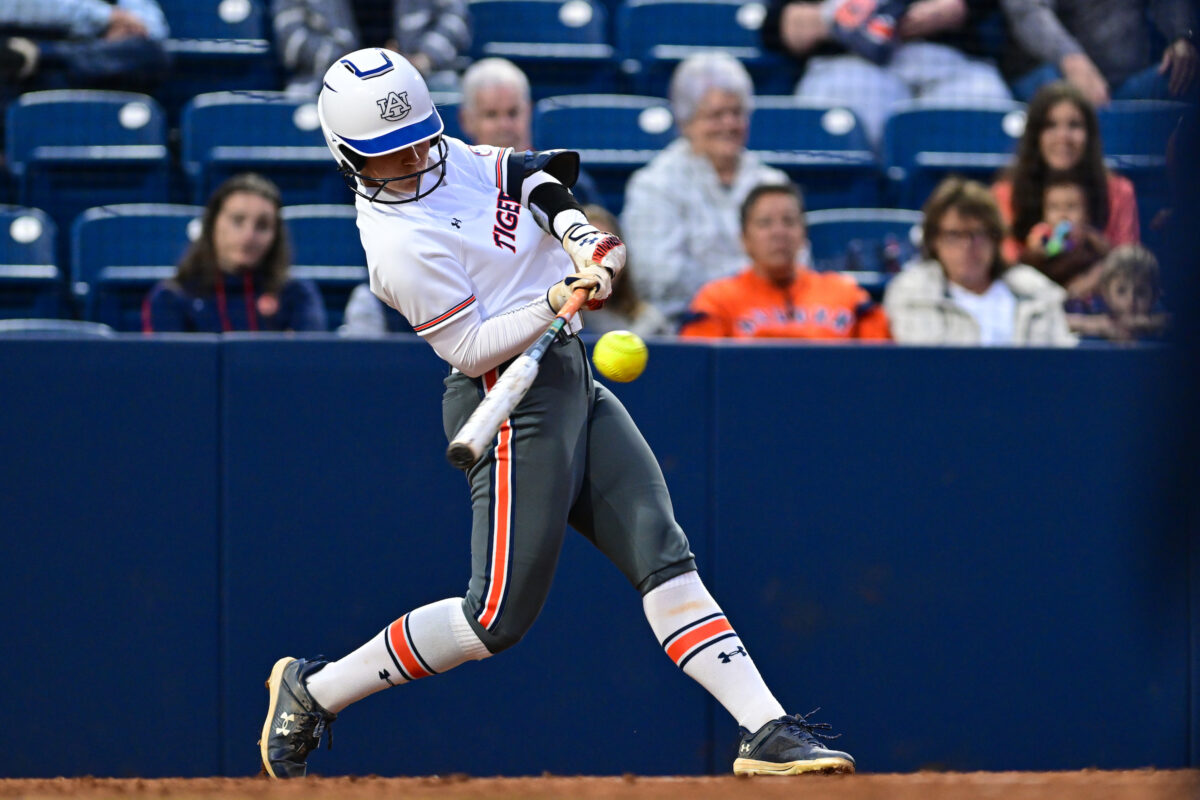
461	456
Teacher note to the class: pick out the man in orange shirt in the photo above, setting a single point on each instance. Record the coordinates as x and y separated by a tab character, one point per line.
775	296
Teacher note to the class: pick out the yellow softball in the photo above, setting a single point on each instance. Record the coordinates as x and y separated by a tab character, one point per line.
620	355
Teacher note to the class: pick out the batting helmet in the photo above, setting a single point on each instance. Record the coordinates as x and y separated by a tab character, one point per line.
374	102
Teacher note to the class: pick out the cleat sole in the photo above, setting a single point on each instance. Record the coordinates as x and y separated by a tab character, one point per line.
273	682
826	766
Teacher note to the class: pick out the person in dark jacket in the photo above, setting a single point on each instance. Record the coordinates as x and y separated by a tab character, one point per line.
234	277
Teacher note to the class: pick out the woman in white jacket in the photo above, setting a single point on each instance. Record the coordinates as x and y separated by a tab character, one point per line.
964	293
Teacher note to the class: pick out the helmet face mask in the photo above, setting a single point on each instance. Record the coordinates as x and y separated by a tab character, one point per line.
373	102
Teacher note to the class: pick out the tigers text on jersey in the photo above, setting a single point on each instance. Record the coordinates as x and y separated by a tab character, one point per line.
462	254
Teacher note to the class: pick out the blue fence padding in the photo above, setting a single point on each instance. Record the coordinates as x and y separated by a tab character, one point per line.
360	520
960	575
970	559
109	574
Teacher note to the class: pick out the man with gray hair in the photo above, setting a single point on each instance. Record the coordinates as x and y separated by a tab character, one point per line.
681	209
496	107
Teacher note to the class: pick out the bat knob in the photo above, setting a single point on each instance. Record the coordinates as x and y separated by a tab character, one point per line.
460	455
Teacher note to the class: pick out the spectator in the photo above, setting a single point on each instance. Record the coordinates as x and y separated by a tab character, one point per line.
81	44
1103	48
964	292
310	35
1062	135
1064	245
496	109
234	277
775	296
871	55
1127	305
623	310
681	209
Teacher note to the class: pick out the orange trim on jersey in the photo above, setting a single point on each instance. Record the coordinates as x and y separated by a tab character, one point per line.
443	317
404	652
501	538
679	648
500	159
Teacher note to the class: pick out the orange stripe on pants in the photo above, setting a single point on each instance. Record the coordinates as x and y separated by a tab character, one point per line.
502	505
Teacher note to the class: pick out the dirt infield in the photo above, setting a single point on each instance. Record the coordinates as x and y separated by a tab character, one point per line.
1089	784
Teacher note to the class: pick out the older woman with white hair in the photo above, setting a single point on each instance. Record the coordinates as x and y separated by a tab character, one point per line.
681	209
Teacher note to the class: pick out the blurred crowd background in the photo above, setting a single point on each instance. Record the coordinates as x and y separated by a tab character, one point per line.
934	171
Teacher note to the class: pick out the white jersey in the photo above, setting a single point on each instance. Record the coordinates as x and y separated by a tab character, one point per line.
464	254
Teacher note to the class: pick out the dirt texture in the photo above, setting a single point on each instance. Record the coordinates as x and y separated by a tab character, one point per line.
1089	784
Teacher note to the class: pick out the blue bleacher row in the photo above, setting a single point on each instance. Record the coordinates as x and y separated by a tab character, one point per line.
118	252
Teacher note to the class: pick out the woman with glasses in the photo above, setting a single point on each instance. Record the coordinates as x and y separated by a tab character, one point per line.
964	292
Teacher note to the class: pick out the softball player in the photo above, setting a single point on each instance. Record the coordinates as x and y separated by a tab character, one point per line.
467	243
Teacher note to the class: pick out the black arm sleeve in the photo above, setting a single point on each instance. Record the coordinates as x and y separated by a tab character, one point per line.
548	201
562	165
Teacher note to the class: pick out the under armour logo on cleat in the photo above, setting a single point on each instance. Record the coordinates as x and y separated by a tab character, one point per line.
744	749
727	657
285	719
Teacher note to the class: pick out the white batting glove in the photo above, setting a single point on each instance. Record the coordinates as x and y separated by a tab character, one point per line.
595	252
558	294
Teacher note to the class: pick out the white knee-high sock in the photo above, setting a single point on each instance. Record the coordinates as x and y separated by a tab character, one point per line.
427	641
695	635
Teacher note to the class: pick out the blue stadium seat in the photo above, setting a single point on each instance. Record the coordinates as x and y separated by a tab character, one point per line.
823	149
924	142
30	282
70	150
41	328
635	129
562	45
448	104
217	45
268	132
1135	134
869	244
653	36
119	252
326	249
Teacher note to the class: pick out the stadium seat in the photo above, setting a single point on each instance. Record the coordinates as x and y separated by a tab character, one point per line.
824	149
70	150
326	249
635	129
924	142
119	252
267	132
30	282
869	244
39	328
217	45
562	45
1135	134
653	36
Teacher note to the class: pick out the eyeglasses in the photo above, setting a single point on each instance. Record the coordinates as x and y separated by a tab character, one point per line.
960	238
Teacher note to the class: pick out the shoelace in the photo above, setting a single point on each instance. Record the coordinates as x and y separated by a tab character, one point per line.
311	729
799	724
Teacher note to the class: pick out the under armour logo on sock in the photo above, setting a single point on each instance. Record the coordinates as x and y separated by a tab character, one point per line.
384	675
727	657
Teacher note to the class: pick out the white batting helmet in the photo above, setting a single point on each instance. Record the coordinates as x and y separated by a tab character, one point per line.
374	102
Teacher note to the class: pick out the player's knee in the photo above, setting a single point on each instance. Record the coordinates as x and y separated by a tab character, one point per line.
503	637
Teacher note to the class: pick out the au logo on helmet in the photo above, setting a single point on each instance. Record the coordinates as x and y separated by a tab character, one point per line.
394	107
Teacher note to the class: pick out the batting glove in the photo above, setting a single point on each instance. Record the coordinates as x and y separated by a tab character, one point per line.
595	252
558	294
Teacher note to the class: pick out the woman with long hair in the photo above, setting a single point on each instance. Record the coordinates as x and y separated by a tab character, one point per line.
1062	137
234	277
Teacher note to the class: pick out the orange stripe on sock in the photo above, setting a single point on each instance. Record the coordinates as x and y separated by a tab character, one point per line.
404	652
678	648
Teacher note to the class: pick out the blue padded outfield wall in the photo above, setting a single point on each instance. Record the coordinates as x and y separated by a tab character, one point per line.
970	559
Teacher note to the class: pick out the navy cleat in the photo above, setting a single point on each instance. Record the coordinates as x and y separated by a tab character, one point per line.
789	746
295	722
